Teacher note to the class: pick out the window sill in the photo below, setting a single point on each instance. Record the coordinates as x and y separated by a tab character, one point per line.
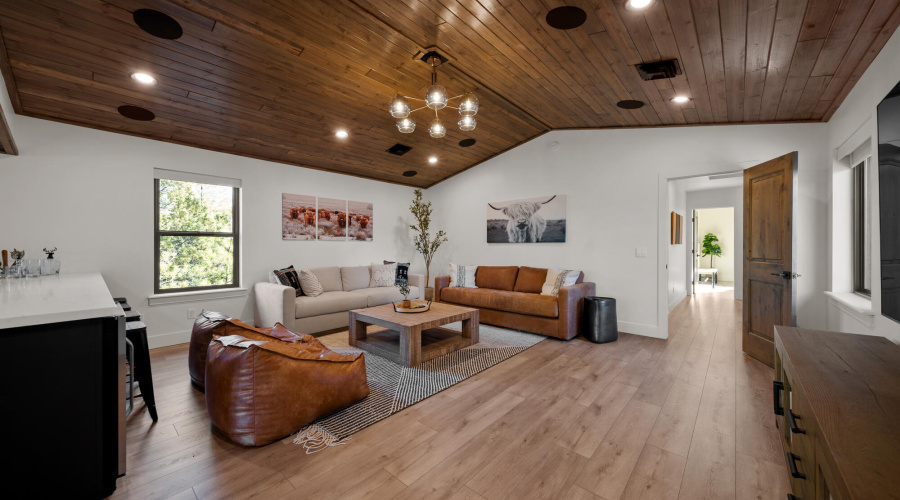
855	305
161	299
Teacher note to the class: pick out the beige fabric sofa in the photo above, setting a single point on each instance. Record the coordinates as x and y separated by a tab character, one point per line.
345	288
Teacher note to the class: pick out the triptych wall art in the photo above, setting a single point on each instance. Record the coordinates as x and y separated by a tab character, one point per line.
308	218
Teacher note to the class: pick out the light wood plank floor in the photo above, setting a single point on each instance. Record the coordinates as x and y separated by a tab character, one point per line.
686	418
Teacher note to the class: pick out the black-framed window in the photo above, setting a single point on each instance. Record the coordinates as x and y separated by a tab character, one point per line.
196	235
862	230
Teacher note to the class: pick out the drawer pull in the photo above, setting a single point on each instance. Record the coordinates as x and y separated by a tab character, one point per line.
791	458
777	387
793	423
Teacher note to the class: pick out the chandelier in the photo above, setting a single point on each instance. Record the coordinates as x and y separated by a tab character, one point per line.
435	98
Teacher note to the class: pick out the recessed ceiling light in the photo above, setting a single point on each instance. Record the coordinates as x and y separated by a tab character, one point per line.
638	4
143	78
432	160
680	99
341	134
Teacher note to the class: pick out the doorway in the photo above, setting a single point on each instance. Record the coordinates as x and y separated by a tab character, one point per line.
714	253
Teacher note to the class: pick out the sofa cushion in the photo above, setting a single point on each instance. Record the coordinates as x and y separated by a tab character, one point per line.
330	278
500	300
383	275
310	284
530	279
327	303
385	295
354	278
496	277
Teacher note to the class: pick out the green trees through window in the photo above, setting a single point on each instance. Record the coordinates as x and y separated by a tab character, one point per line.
196	236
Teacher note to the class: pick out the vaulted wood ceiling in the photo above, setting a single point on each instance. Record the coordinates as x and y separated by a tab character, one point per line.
274	79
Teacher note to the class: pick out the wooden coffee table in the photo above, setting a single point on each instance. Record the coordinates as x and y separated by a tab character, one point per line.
410	339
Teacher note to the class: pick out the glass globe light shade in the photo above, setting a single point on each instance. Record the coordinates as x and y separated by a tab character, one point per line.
437	129
436	97
468	106
467	123
406	125
399	107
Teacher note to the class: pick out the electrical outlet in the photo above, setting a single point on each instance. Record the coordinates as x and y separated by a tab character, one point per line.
192	313
640	252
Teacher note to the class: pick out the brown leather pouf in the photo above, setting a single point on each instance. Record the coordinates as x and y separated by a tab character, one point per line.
260	390
211	323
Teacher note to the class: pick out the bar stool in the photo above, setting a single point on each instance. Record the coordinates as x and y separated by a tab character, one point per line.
137	354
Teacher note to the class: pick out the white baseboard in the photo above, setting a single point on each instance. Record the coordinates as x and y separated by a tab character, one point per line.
639	329
676	301
168	339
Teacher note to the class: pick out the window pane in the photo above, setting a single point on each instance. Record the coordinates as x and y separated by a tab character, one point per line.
188	206
193	261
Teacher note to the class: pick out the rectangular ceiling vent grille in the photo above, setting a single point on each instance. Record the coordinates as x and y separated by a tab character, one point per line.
659	70
399	149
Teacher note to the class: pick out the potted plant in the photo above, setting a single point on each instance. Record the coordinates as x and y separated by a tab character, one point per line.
711	247
404	291
425	244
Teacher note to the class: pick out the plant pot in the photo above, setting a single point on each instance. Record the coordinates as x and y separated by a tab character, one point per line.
406	303
429	293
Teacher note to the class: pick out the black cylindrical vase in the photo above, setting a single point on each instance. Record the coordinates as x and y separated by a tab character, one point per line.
599	324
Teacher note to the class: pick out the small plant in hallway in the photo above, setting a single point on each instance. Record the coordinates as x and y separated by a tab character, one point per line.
711	247
425	244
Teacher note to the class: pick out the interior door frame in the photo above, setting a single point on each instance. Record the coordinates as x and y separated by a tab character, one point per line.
661	329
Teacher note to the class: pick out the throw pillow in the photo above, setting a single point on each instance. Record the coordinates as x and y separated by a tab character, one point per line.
462	276
383	275
273	279
557	279
402	271
309	283
289	277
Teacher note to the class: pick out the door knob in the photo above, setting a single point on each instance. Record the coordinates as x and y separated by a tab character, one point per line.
787	275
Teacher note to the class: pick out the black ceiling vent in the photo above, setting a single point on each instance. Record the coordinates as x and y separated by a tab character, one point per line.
566	18
399	149
630	104
157	24
467	142
659	70
136	113
410	173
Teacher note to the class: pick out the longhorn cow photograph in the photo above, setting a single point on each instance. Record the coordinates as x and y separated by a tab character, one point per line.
529	220
298	217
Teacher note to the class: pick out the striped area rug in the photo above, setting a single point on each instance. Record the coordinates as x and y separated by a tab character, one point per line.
393	387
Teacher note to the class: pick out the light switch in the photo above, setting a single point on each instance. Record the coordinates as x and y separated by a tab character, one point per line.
640	252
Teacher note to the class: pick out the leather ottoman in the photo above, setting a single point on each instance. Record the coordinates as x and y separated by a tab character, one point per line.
260	389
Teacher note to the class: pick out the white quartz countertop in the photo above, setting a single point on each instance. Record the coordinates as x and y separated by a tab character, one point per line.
53	299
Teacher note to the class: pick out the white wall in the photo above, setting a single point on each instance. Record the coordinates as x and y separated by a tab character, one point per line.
90	193
677	270
618	200
855	120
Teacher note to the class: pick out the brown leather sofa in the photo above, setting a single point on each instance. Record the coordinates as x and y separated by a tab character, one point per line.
510	297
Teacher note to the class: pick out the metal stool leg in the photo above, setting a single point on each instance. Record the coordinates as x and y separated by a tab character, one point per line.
129	356
143	371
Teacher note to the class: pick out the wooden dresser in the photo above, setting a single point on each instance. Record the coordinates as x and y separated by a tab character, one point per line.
837	406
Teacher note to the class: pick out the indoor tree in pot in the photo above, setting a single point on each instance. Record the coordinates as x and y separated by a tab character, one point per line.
711	247
425	244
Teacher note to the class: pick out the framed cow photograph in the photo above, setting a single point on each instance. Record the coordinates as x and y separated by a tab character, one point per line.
298	217
332	215
360	220
529	220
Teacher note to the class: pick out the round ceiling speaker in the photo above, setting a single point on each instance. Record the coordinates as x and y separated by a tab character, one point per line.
410	173
566	18
136	113
158	24
630	104
467	142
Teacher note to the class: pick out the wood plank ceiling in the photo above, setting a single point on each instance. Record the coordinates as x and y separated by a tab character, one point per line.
274	79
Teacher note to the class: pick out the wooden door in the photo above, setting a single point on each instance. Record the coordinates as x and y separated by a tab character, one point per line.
769	254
